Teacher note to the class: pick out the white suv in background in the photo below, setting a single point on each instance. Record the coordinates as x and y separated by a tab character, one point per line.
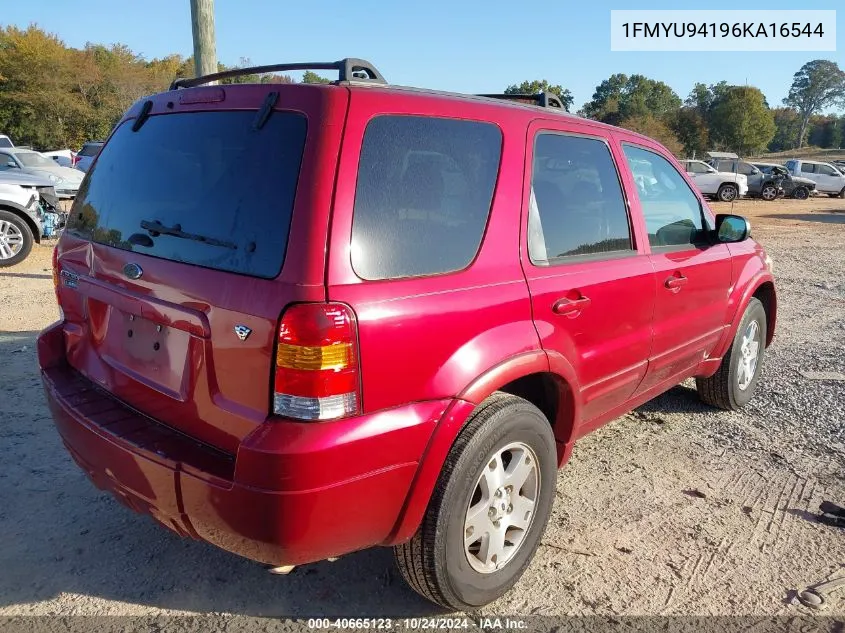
722	185
828	178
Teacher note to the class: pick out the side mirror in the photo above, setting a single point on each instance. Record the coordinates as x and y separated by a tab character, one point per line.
732	228
11	164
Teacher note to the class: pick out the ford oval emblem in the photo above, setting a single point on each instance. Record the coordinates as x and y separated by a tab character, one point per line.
133	271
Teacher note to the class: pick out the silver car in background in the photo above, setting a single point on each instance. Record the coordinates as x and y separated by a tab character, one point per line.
64	179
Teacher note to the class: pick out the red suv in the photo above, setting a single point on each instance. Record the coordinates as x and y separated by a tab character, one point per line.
303	320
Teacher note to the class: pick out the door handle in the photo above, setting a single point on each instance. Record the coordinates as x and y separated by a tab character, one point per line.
675	282
570	307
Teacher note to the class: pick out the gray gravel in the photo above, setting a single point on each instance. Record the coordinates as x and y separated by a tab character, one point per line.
674	509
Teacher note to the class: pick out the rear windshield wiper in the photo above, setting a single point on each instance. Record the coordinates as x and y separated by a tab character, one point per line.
157	228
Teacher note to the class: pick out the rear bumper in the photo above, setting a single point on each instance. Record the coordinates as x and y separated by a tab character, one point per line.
294	493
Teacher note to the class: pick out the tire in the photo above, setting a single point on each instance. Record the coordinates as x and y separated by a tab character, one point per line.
436	562
15	239
842	193
800	193
769	192
725	389
727	192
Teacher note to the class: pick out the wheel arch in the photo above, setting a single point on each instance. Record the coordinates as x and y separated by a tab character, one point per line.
547	382
26	217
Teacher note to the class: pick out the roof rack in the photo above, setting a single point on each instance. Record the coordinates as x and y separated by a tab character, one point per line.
542	99
350	70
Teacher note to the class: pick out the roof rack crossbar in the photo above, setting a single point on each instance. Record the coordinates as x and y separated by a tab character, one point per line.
349	69
542	99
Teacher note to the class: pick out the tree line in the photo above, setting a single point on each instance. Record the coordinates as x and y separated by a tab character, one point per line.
720	116
54	96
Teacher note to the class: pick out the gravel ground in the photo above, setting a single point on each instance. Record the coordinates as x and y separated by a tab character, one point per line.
674	509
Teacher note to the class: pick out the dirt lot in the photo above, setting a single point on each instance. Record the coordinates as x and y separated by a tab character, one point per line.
673	509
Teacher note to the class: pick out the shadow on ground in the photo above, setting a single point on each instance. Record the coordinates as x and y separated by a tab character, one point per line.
826	216
61	535
26	275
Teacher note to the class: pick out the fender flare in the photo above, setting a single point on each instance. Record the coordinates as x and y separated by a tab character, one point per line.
729	333
454	419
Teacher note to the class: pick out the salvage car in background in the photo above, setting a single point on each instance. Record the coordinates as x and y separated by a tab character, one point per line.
828	179
793	186
760	185
724	186
25	218
65	179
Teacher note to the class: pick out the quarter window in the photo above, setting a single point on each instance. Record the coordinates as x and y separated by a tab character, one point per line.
423	195
576	207
672	212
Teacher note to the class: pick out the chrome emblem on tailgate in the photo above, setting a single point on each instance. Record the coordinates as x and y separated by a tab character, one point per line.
133	271
242	331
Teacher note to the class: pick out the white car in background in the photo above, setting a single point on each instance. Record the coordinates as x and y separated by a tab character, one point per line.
65	179
828	178
722	185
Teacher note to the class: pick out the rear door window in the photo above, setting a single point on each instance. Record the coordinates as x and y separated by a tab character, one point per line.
577	207
808	168
423	195
202	188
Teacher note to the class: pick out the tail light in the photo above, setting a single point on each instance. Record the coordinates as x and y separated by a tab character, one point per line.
317	375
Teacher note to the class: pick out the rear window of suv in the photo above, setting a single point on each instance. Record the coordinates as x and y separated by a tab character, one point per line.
202	188
423	195
90	149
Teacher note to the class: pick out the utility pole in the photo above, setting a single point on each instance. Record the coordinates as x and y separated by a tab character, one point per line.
205	48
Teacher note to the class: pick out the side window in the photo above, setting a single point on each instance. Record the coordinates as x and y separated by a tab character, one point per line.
824	170
423	196
697	168
808	168
746	169
671	210
6	162
577	207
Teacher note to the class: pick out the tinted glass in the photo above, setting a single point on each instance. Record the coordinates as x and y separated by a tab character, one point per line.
207	174
5	142
89	149
577	207
746	168
766	169
671	210
825	170
424	190
808	168
697	168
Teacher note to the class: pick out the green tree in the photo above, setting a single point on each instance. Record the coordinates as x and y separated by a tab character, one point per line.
787	124
653	127
817	85
621	97
741	121
824	131
541	85
690	128
310	77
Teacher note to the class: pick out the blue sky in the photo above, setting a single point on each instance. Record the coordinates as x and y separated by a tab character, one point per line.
457	45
